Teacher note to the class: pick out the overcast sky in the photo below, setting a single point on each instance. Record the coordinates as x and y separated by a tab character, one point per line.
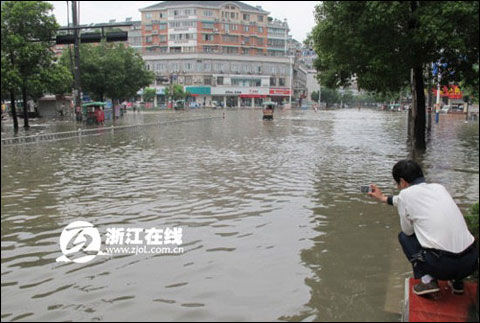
299	14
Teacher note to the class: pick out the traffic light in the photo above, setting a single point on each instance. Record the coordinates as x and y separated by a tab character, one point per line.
117	36
65	39
92	37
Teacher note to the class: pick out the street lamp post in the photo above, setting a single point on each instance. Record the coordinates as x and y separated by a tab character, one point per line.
291	80
437	107
77	91
319	94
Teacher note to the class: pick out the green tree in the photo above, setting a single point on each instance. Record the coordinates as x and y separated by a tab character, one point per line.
314	96
111	70
329	96
149	94
347	97
390	45
27	30
177	93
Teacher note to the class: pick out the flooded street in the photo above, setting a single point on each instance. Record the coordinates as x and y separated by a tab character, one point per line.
274	224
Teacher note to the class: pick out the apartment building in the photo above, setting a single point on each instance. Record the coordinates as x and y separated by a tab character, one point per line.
221	51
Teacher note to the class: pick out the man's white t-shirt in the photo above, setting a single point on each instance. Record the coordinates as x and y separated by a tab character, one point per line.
429	211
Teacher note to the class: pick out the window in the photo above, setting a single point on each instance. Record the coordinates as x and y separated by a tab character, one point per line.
246	28
234	27
273	81
220	80
246	16
148	15
148	27
162	27
260	30
227	28
207	37
207	25
260	18
281	82
232	15
207	49
208	13
207	80
148	39
163	38
230	38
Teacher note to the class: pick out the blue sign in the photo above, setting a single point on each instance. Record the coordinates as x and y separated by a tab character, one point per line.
435	67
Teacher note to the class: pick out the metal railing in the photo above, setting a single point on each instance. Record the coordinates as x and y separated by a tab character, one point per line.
56	136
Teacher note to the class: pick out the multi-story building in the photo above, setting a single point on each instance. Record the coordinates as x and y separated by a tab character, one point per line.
223	51
277	37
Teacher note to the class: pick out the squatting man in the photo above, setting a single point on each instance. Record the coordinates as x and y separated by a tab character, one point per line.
434	236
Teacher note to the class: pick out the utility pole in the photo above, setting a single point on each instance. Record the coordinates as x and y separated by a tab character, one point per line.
291	81
319	94
77	90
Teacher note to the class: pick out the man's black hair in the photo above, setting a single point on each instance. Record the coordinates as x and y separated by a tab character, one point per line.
408	170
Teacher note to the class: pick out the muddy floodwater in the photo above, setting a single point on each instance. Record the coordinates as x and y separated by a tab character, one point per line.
274	224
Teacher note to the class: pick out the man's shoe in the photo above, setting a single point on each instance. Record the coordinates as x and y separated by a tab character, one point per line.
422	289
456	286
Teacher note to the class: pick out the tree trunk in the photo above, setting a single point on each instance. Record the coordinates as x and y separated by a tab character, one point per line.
14	111
417	118
25	107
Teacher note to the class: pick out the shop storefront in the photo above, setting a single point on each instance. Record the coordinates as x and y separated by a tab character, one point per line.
239	97
200	94
279	95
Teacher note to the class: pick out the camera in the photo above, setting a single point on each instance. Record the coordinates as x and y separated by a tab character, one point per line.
365	189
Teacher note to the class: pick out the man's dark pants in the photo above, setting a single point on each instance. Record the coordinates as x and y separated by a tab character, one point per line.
436	263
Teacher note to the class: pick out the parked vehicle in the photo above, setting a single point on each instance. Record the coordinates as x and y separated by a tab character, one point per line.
180	105
445	109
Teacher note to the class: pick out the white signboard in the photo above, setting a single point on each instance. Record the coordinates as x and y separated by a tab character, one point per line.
239	90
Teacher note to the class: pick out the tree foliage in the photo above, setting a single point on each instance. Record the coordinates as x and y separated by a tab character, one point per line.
149	94
27	31
177	93
110	70
379	42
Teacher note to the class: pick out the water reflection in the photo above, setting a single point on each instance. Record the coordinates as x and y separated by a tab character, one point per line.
274	224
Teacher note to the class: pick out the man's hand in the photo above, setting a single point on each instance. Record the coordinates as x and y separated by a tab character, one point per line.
377	194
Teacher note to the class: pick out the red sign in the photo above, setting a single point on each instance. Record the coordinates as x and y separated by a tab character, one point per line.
279	91
452	92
